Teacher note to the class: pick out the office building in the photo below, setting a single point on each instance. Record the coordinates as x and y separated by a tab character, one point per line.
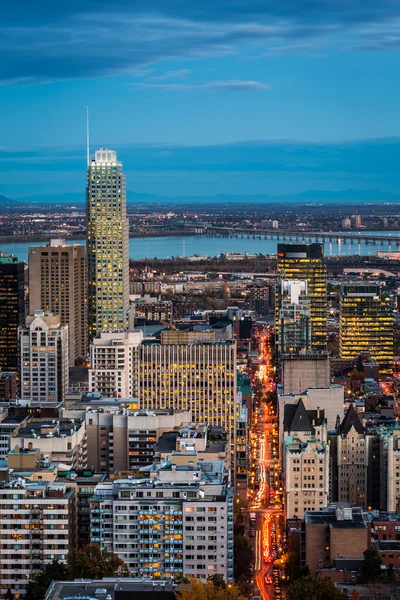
8	385
305	460
58	284
37	526
189	370
152	309
114	360
262	298
12	310
107	245
333	533
177	522
306	262
294	316
366	324
44	358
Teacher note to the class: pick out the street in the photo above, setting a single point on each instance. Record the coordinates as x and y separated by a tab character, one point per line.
267	527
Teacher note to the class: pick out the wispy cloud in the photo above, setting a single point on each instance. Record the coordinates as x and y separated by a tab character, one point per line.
86	39
232	85
178	74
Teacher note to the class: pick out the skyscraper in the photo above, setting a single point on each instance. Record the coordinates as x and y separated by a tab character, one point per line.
294	316
107	245
12	310
59	285
306	261
366	324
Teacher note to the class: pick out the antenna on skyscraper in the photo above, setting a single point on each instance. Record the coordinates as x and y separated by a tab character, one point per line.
87	137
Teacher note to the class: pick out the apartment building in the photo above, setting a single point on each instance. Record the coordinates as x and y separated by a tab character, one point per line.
126	440
114	359
177	522
305	458
63	441
37	525
293	316
44	358
153	309
58	277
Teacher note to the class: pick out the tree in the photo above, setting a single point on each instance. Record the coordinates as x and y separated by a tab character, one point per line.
371	567
93	563
244	555
37	587
9	594
313	588
196	590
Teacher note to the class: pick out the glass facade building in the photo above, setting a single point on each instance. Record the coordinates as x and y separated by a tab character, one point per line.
12	310
306	262
107	245
366	324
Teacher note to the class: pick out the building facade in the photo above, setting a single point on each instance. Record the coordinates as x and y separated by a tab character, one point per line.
58	276
178	522
366	324
12	310
107	245
44	358
306	262
190	374
294	317
114	360
37	525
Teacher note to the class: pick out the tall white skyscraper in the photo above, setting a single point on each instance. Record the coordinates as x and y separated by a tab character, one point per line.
107	244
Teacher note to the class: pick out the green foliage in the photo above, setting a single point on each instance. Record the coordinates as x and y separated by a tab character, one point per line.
37	587
196	590
371	566
93	563
244	555
313	588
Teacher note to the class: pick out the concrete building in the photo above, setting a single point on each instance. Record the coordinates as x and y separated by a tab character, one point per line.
190	371
58	284
107	245
366	324
335	532
305	459
126	440
44	358
63	441
306	262
262	298
178	522
8	385
294	316
114	359
304	370
37	525
329	399
12	310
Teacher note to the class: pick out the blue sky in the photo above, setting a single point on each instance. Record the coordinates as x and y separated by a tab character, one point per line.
207	97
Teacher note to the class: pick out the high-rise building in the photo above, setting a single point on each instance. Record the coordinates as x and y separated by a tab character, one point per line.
177	522
262	298
190	371
294	316
366	324
58	277
37	525
306	262
114	359
44	358
107	245
12	310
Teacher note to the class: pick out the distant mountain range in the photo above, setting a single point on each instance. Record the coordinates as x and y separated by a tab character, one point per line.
371	195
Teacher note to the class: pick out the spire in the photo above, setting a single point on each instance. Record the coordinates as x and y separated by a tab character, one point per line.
351	420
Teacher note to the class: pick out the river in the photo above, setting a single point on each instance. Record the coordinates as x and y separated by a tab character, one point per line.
167	247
